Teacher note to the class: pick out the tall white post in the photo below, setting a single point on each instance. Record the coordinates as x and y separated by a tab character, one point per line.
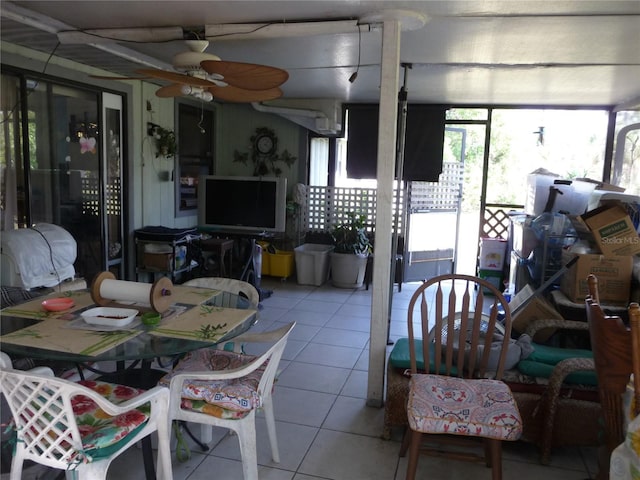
387	130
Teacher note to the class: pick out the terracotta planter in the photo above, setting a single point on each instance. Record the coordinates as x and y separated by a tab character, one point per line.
347	269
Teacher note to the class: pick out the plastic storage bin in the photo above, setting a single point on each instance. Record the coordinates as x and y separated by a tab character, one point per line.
492	253
276	263
494	277
280	263
312	263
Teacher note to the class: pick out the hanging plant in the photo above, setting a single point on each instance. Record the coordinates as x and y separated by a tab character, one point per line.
165	142
264	154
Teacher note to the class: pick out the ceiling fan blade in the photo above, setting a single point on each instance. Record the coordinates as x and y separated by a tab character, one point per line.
107	77
241	95
173	90
175	77
248	76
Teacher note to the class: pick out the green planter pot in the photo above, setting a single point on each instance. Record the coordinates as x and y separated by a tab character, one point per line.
347	269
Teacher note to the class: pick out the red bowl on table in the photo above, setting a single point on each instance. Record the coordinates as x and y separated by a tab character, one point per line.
58	304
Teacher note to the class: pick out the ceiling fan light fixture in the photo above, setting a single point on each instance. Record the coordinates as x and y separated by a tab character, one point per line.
205	96
197	46
190	61
197	92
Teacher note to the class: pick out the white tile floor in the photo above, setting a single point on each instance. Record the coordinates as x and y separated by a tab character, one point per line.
325	429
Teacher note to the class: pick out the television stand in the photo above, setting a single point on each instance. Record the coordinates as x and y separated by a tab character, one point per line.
249	256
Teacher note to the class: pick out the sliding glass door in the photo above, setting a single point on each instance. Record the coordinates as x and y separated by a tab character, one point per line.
61	164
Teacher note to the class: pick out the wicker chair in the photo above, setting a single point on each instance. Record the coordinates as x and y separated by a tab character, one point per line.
559	412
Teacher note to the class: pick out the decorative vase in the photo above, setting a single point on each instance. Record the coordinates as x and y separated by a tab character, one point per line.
347	269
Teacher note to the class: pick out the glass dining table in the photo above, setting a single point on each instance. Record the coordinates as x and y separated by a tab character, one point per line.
197	318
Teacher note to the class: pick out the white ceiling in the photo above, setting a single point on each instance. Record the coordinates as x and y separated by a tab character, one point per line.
565	53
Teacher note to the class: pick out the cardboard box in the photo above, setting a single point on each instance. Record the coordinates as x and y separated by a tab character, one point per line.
537	308
158	261
612	230
613	272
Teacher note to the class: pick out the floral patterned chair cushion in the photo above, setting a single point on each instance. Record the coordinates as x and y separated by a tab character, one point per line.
99	430
222	398
459	406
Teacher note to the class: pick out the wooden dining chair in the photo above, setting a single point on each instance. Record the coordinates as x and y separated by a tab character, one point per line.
634	325
457	359
611	343
224	389
81	427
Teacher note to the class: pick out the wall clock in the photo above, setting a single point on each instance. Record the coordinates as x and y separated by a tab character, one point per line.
265	143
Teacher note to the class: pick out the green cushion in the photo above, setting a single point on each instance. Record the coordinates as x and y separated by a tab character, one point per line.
400	357
98	453
544	358
543	370
553	355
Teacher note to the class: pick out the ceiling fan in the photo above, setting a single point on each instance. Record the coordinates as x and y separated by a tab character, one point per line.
207	77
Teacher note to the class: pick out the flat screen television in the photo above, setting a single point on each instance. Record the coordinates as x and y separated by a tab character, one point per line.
243	204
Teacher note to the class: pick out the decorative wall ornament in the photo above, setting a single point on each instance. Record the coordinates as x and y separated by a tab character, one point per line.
264	154
166	145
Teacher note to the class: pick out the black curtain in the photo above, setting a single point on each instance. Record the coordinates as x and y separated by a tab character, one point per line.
423	145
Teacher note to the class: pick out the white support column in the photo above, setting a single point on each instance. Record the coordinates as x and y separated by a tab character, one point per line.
387	129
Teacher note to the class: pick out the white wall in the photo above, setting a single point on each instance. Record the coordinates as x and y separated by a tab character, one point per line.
237	123
151	198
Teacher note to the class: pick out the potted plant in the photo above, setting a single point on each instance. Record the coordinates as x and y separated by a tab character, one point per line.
165	143
352	247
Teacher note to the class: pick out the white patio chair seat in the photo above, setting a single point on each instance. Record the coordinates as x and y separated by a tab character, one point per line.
81	427
220	388
231	285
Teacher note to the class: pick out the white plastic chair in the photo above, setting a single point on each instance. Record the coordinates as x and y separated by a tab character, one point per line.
48	433
231	285
5	363
189	371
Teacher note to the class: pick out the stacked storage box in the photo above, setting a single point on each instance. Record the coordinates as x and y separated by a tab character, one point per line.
491	264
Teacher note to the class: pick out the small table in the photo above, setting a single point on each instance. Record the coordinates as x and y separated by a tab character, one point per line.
220	247
197	318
